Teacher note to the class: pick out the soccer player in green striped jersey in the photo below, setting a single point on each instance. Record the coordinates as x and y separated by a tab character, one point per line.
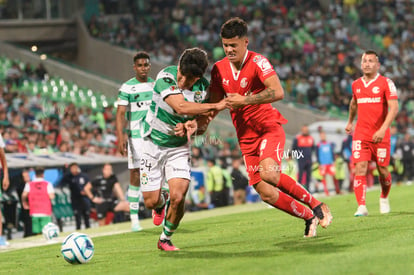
134	99
180	93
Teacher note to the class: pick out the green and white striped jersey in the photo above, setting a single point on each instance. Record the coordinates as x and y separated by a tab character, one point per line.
161	118
137	97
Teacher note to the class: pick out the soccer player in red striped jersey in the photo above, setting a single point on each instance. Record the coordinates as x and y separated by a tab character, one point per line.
251	84
375	100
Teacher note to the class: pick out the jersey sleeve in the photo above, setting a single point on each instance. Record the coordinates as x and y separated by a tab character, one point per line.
165	85
50	189
264	69
26	188
390	90
123	96
2	145
216	91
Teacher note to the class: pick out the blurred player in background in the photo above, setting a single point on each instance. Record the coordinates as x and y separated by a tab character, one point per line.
375	100
100	191
134	98
251	84
305	144
5	185
179	92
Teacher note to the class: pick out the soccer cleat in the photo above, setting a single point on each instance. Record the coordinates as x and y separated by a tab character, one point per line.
324	214
311	226
3	242
158	214
166	245
136	227
384	206
362	211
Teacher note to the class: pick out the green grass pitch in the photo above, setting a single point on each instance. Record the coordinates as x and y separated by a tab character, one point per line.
248	239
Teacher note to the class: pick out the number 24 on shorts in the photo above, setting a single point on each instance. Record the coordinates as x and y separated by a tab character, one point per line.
146	163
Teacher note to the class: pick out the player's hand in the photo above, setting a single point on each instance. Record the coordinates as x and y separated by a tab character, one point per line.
122	147
235	100
25	205
348	128
378	136
179	130
6	183
190	128
223	104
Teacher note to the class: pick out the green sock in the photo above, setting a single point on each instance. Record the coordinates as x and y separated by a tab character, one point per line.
168	230
133	198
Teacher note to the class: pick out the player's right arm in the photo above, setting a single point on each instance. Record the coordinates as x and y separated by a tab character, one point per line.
120	122
123	102
353	110
25	195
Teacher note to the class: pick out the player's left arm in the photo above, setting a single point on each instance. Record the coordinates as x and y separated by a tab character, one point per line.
272	92
392	113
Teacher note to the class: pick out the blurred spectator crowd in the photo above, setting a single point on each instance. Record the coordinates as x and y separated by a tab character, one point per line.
312	48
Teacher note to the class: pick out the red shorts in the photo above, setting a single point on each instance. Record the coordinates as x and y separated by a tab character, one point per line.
326	169
270	145
365	151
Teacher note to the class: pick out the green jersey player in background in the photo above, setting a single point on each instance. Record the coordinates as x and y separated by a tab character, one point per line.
179	96
134	98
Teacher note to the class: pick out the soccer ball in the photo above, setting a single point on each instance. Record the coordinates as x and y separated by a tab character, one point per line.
77	248
50	231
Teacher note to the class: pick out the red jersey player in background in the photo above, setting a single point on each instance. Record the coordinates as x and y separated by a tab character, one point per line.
376	102
251	84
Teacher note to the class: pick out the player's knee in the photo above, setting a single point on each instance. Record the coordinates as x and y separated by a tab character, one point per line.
270	176
151	202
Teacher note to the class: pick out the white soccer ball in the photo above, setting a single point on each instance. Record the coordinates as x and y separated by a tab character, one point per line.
77	248
50	231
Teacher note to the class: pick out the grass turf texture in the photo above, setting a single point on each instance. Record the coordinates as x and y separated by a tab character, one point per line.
248	239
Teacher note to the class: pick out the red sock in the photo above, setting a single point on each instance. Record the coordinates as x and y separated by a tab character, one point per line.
360	185
296	190
291	206
385	186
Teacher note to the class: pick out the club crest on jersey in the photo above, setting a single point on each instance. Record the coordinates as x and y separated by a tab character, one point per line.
257	58
375	90
198	98
225	82
358	91
243	82
144	179
173	88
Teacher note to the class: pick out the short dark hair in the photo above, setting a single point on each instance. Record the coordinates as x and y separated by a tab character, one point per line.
371	52
193	62
234	27
39	171
141	55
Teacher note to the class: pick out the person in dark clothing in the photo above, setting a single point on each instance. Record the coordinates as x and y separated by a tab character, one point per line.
76	181
240	183
407	150
304	144
24	216
101	192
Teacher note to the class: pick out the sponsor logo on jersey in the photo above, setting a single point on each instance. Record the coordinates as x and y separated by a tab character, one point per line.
369	100
391	86
263	146
226	82
243	82
375	90
265	65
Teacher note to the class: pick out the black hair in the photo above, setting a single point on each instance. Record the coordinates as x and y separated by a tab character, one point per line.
193	62
234	27
39	171
141	55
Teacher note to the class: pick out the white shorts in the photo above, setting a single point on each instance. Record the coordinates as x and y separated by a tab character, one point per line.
160	164
134	152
